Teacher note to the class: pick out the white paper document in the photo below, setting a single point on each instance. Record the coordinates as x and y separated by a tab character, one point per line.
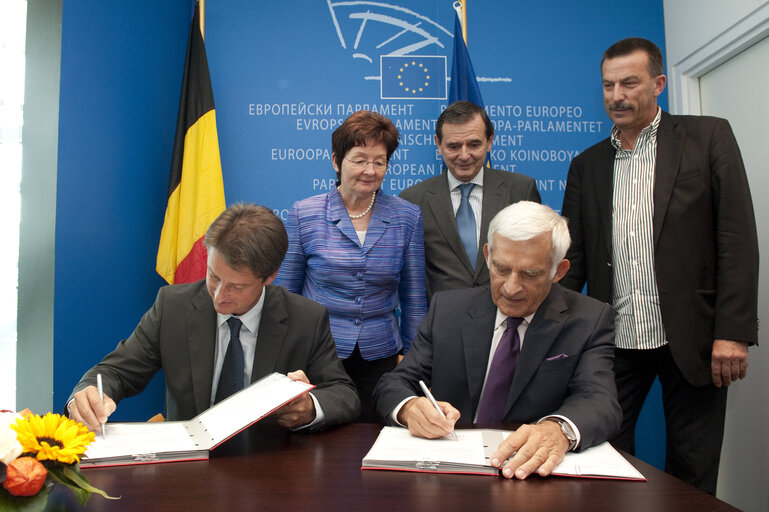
141	439
136	443
601	461
397	449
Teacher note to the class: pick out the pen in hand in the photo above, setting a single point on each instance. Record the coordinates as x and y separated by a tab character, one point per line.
430	397
100	389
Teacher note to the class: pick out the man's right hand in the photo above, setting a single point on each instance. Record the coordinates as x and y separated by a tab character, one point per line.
87	408
423	419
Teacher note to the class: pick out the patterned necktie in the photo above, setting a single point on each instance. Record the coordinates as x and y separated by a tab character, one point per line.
491	408
466	223
232	379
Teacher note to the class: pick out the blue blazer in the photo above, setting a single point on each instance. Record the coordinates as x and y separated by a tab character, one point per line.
360	285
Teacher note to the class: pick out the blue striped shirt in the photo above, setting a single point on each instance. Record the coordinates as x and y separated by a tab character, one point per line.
361	285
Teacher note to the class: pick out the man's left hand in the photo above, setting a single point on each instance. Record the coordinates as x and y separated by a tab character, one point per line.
301	410
729	361
540	448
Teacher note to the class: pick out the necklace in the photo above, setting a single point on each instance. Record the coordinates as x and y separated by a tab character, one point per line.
368	208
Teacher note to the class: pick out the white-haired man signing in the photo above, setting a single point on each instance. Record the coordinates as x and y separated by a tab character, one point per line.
521	350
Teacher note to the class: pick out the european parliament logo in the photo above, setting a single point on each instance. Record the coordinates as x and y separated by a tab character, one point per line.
413	77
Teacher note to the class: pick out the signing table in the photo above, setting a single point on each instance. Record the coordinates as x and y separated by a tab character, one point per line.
267	468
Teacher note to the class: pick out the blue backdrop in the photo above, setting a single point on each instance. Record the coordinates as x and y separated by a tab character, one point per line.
284	79
284	75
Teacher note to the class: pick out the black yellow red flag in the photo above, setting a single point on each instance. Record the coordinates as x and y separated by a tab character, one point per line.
195	187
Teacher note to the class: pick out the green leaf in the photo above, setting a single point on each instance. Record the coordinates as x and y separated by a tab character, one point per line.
34	503
56	474
74	474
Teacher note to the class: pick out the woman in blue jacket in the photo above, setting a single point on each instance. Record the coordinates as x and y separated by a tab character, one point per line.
360	253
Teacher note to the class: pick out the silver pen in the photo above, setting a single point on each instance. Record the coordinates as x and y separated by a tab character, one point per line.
430	397
100	389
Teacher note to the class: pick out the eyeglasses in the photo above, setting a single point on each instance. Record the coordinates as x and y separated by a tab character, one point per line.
360	164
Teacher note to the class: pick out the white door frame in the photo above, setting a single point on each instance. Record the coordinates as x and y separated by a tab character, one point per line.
684	76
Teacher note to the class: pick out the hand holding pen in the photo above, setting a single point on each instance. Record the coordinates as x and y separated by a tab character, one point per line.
426	418
430	397
91	406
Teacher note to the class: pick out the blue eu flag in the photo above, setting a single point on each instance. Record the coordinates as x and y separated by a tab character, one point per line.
413	77
464	85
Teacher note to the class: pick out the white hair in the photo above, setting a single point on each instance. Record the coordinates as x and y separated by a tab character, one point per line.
525	220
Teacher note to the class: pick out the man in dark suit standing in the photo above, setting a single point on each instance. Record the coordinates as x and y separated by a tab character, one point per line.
457	206
214	336
662	228
522	350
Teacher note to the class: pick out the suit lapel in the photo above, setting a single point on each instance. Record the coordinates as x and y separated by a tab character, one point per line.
336	213
670	144
493	201
477	329
380	219
201	332
603	185
540	336
439	204
272	332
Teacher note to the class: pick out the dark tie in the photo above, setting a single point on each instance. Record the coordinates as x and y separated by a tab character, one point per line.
232	377
491	408
466	223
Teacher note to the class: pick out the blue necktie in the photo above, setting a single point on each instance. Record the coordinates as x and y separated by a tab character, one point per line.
232	379
491	408
466	223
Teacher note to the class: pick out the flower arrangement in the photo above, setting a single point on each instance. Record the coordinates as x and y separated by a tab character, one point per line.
37	452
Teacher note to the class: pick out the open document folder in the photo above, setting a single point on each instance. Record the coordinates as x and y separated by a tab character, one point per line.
138	443
397	449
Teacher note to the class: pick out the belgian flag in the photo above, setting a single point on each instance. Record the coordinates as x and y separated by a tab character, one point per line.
195	188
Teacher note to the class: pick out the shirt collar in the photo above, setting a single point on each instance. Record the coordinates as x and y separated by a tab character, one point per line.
454	183
250	318
647	134
502	318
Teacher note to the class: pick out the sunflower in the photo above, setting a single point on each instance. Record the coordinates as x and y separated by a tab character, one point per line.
53	437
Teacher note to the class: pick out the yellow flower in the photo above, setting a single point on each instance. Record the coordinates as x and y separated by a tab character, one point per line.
53	437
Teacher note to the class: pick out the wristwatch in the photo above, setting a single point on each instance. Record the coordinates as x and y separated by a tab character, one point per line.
566	430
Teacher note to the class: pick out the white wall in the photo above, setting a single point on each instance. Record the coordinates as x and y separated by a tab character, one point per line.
691	24
34	349
736	90
700	35
701	39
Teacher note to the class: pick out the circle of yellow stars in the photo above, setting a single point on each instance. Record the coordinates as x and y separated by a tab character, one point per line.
405	68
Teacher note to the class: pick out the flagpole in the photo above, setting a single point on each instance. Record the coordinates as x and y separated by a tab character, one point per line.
460	6
202	4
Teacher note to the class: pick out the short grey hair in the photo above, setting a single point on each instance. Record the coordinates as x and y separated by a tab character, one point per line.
525	220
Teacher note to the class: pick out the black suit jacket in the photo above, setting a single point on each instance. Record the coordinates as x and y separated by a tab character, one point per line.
446	263
565	365
705	243
178	334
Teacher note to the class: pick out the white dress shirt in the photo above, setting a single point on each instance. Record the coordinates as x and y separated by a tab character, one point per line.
248	332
